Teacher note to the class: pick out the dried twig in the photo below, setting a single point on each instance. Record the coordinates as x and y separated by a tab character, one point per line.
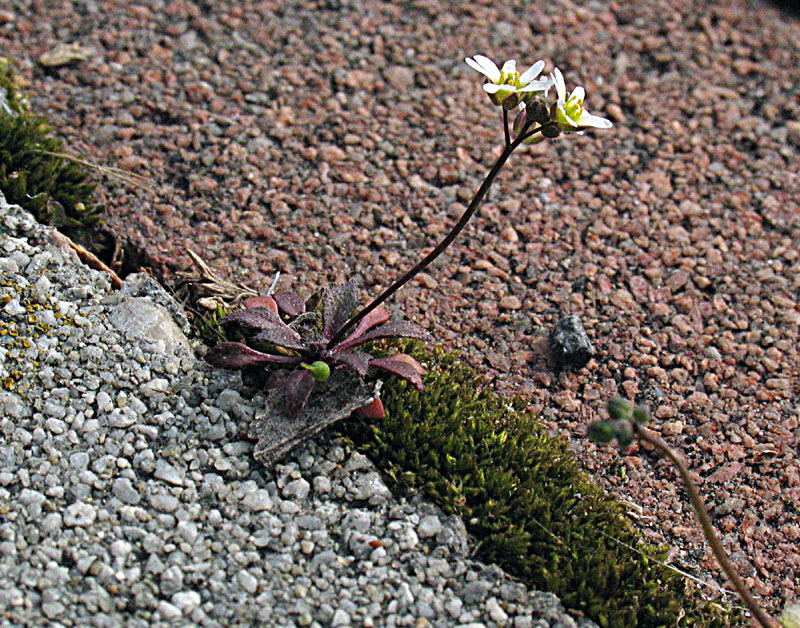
89	258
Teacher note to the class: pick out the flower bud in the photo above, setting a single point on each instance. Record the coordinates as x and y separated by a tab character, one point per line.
619	408
538	111
601	432
520	121
320	371
641	414
551	131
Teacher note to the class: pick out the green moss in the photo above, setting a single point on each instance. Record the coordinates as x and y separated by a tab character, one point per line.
55	190
12	100
522	495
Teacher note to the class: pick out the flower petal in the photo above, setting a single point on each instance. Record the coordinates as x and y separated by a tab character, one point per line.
485	66
578	94
509	67
537	86
597	122
492	88
558	79
532	72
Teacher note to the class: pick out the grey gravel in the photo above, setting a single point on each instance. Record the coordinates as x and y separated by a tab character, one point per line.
130	498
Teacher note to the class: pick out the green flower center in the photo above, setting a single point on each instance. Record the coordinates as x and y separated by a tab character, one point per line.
509	78
573	108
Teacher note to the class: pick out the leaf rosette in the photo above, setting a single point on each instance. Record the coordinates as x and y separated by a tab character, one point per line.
290	336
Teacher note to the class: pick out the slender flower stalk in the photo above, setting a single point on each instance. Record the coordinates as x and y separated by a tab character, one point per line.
446	241
535	121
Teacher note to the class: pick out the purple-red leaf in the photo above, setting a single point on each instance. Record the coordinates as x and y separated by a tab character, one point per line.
235	355
372	410
339	302
377	316
258	317
356	360
406	367
276	379
282	337
290	303
267	302
392	329
297	389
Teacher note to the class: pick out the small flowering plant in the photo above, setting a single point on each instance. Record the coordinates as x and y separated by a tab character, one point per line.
293	335
299	343
625	424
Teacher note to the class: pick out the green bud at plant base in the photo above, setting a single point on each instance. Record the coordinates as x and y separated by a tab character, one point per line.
619	408
320	371
601	432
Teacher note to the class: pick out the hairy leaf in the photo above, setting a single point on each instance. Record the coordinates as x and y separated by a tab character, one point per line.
374	410
393	329
339	303
356	360
282	337
377	316
276	379
401	368
298	387
235	355
290	303
258	317
267	302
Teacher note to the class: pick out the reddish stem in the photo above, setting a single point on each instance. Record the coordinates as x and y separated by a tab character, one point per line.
705	522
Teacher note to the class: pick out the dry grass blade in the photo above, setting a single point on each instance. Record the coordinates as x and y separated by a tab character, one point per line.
110	171
209	289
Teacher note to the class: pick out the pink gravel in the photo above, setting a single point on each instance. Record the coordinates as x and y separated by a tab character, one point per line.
324	138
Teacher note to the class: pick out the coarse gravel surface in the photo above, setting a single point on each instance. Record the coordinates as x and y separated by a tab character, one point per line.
325	138
127	497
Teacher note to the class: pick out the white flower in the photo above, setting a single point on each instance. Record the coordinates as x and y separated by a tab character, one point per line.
507	86
570	113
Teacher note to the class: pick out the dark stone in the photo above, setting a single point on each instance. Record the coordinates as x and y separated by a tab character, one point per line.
569	344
